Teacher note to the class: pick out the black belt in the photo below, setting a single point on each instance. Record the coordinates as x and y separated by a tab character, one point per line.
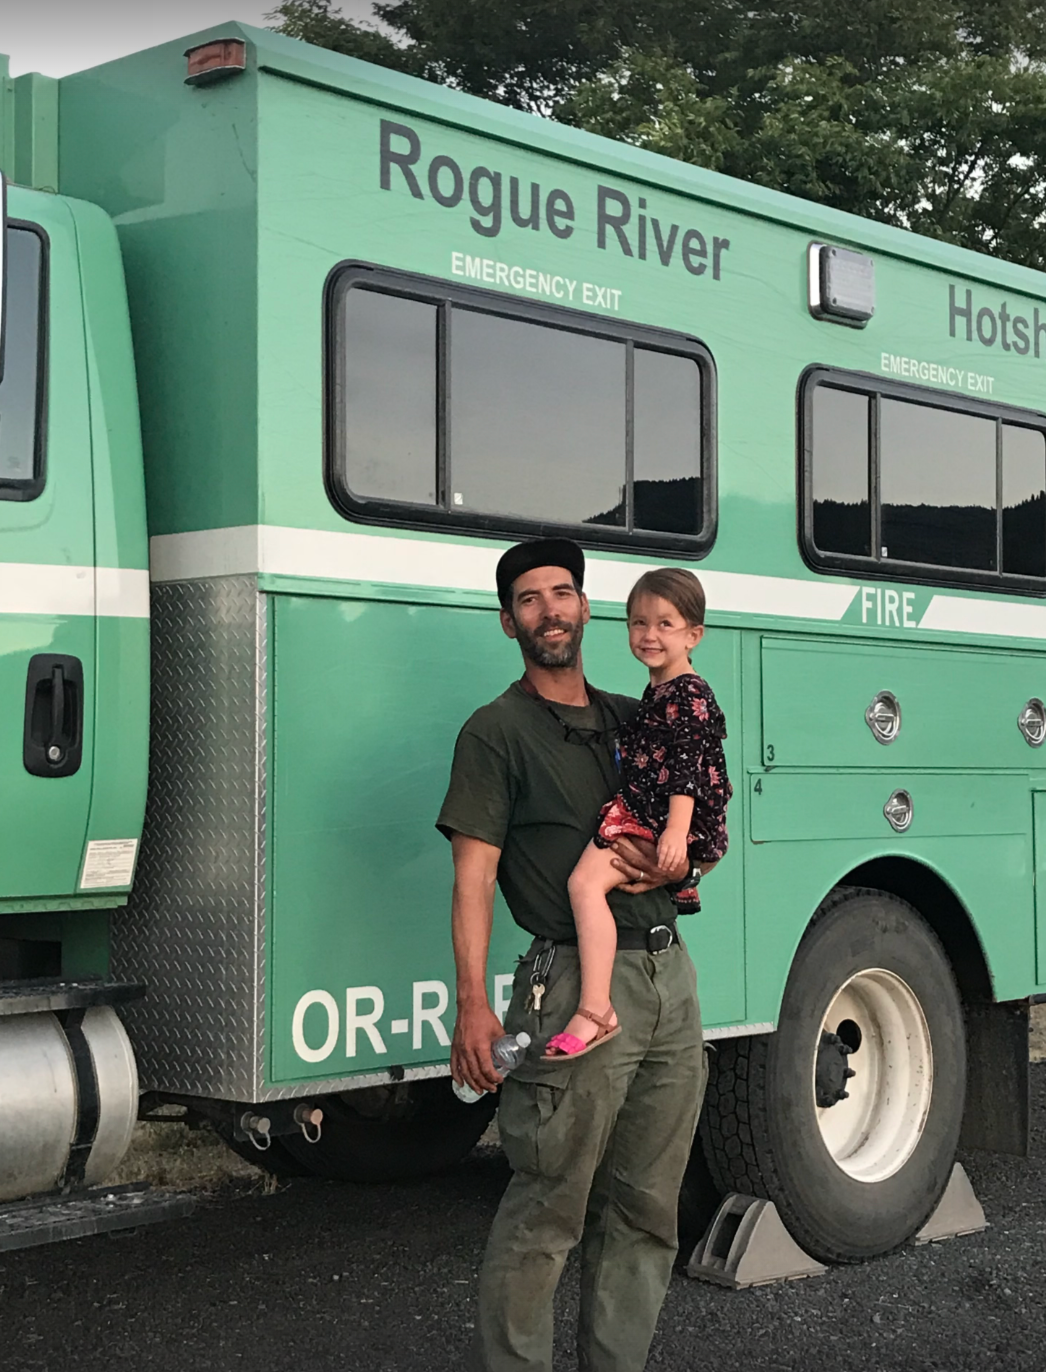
656	940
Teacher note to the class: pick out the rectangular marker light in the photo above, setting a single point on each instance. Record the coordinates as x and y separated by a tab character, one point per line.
842	285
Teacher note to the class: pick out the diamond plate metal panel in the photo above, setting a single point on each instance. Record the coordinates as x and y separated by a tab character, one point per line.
194	928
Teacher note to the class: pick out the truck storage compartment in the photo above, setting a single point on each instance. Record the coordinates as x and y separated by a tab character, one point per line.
794	806
959	708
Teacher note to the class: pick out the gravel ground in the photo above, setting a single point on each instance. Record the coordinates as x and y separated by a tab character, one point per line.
382	1279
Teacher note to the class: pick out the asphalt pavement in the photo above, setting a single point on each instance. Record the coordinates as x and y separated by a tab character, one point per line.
327	1277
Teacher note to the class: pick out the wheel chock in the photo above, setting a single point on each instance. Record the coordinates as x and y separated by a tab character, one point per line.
747	1245
958	1211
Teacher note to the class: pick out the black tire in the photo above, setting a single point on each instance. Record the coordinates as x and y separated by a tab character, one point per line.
425	1129
760	1127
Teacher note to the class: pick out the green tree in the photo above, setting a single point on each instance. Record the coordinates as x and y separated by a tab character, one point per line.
319	22
928	114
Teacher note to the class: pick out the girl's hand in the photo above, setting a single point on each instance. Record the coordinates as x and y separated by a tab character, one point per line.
671	850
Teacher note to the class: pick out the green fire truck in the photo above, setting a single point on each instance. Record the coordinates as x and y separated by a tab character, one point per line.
293	348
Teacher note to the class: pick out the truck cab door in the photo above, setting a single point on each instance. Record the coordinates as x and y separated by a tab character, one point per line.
47	575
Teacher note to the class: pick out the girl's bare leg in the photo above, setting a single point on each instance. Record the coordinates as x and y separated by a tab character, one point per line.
587	887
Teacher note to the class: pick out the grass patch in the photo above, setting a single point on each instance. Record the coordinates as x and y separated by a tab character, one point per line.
172	1154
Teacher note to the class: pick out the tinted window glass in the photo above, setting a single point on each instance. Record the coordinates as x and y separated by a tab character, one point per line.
1023	501
388	386
18	390
537	421
937	478
842	512
454	405
667	442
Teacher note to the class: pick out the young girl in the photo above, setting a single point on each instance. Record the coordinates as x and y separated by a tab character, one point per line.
674	789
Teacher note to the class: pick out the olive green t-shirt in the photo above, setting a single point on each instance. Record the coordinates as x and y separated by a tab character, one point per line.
518	782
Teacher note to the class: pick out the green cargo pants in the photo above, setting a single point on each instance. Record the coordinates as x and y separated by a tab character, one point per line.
597	1147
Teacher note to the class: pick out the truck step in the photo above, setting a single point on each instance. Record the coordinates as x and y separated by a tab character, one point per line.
35	997
48	1219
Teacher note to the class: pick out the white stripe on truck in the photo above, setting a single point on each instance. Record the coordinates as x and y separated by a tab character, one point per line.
1005	618
250	549
31	588
370	558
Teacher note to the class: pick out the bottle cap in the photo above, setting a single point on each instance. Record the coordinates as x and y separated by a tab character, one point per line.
523	1039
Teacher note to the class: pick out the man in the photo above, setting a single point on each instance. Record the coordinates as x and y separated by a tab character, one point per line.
598	1145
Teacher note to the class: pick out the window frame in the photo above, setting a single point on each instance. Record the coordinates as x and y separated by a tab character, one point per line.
877	568
32	488
444	294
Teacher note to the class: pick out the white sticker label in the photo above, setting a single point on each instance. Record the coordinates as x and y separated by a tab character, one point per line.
108	862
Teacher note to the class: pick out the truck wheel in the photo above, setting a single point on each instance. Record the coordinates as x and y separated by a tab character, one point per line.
848	1116
393	1133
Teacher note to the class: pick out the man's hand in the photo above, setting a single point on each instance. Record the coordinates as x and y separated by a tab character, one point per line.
636	858
476	1029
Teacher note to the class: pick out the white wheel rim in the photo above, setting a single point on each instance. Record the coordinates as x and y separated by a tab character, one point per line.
872	1135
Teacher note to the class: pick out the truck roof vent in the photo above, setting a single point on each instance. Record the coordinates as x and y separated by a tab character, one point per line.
215	61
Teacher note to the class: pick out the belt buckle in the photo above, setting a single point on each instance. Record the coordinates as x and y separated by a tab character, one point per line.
659	939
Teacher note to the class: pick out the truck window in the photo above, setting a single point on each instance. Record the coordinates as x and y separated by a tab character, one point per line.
21	391
390	445
937	477
666	459
1023	500
841	508
537	421
452	406
901	482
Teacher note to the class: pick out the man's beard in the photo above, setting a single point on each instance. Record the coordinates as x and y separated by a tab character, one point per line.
563	653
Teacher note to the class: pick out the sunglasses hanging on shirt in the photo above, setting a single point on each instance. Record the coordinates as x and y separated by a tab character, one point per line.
595	740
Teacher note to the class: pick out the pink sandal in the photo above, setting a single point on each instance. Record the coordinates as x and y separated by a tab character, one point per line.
570	1046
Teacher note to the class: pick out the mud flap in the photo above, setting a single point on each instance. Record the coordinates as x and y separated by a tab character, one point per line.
997	1117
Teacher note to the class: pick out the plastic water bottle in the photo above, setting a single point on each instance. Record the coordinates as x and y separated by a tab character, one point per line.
506	1053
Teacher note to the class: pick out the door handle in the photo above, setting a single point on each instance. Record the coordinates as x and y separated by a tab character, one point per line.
55	750
52	744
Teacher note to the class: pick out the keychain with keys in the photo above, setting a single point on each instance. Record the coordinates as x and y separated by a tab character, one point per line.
542	967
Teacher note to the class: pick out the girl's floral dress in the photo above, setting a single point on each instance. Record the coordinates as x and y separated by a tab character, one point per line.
673	746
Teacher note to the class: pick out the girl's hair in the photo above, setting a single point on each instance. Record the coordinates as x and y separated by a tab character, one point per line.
680	588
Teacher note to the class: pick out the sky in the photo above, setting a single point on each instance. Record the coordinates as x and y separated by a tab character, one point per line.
59	36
